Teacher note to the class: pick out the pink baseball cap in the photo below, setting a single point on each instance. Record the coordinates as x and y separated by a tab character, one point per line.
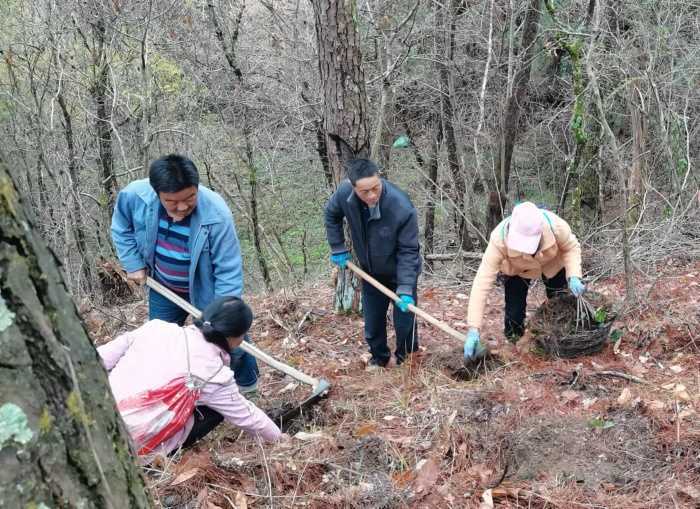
525	228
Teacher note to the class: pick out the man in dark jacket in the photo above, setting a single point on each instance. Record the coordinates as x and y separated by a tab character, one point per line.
384	230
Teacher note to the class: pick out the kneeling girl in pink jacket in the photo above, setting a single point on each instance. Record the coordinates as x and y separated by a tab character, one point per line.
173	384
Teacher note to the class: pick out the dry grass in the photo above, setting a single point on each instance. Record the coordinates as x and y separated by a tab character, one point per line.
539	432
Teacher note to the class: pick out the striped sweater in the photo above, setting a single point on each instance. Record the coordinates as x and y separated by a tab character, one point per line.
172	255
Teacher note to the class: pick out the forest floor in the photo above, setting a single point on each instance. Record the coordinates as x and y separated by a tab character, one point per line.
617	429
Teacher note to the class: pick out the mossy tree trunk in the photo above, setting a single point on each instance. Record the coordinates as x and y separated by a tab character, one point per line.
62	443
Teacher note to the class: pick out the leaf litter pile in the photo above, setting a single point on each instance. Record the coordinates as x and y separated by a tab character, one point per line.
606	430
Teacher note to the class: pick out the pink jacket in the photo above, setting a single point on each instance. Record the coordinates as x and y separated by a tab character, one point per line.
155	353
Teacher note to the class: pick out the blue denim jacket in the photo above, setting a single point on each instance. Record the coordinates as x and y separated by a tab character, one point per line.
216	268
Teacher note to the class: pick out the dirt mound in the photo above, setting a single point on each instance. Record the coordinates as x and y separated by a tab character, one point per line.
451	361
567	327
618	449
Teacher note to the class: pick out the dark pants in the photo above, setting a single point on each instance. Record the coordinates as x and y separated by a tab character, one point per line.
205	420
244	365
516	289
374	307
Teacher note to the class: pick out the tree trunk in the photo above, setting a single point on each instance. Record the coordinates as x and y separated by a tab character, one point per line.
622	174
103	121
459	185
381	148
229	50
511	118
147	101
76	216
345	110
63	444
638	164
322	149
253	181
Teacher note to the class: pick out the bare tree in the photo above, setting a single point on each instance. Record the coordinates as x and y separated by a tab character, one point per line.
228	46
511	116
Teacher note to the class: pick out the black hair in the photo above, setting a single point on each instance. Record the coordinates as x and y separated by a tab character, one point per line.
357	169
224	318
172	173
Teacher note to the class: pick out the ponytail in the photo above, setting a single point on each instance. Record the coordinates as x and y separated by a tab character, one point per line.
211	334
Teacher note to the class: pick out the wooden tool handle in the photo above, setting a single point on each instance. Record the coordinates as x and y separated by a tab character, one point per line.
416	310
245	346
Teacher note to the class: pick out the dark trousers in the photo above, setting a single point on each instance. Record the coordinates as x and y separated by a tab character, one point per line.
205	420
243	365
516	289
374	307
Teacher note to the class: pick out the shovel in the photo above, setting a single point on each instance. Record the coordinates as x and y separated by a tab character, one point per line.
417	311
414	309
320	386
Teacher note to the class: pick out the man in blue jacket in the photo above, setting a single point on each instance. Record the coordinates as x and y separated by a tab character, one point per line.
384	230
183	235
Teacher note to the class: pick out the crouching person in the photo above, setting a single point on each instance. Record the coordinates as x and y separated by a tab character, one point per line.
531	244
173	384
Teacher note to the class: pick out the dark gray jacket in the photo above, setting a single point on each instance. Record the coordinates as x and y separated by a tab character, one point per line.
389	247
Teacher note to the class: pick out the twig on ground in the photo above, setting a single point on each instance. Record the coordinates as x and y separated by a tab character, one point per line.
278	322
624	376
258	441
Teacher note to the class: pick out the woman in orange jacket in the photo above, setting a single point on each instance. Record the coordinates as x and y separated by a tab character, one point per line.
531	243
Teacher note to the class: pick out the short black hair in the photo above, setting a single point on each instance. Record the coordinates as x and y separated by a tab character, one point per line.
172	173
225	317
360	168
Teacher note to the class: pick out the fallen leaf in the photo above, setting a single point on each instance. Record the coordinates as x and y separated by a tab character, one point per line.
486	500
686	413
505	491
289	387
655	404
690	491
403	478
680	393
185	476
588	402
569	395
625	397
426	475
369	428
241	501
